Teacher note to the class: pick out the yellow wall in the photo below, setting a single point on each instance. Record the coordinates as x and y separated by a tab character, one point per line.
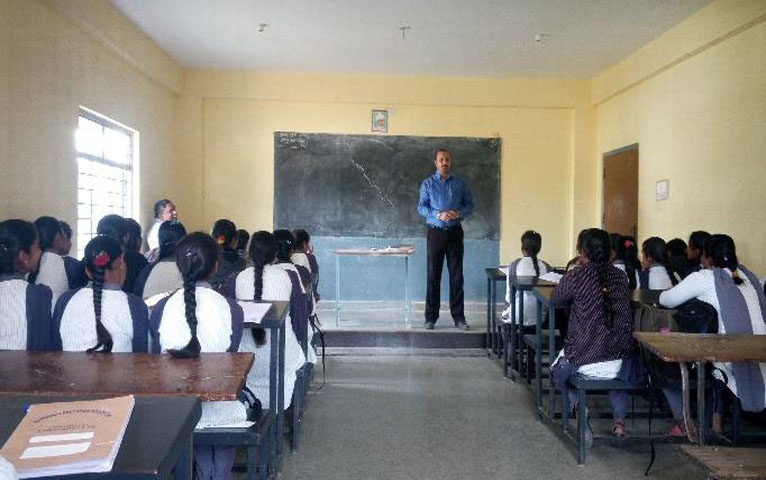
698	114
227	121
50	65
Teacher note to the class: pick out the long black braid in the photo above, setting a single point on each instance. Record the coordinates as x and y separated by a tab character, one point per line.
531	242
720	248
196	257
597	247
263	249
100	254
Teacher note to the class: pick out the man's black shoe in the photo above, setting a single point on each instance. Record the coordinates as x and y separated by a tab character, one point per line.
429	325
461	325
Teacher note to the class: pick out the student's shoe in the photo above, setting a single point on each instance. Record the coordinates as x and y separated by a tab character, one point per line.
428	325
461	326
619	430
678	430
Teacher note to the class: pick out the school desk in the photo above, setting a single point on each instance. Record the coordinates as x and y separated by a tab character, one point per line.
514	339
157	442
274	321
211	377
404	252
700	349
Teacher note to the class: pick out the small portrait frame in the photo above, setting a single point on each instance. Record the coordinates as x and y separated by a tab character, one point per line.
380	121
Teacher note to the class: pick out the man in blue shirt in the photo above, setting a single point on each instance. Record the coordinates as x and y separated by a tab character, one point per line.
445	201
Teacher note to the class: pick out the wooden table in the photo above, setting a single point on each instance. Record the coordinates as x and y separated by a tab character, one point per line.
701	348
494	275
157	442
729	463
274	321
401	252
211	377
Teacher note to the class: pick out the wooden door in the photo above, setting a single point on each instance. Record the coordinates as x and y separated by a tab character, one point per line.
621	191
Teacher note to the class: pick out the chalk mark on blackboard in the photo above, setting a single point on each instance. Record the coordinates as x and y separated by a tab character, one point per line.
382	195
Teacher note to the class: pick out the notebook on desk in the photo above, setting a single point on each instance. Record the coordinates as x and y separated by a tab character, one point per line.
67	438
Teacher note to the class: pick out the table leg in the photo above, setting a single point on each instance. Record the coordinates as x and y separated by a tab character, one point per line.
407	298
273	387
538	355
337	290
514	330
701	402
520	324
281	390
489	322
551	358
685	387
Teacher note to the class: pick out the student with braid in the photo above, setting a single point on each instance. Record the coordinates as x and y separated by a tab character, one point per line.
657	273
625	257
737	296
198	319
599	338
55	271
25	308
163	275
265	281
225	235
528	265
117	227
101	317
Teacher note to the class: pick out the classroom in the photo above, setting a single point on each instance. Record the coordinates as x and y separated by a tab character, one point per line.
224	110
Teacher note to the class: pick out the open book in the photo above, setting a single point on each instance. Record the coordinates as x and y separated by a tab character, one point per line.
69	437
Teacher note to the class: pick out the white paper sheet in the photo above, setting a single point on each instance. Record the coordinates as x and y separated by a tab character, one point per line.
254	312
552	277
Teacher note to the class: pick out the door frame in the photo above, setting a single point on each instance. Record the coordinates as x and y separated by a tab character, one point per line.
632	146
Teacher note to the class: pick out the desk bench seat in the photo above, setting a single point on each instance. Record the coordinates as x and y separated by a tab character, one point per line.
729	463
251	438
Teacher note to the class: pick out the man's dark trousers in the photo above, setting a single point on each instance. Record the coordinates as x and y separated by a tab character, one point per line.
441	243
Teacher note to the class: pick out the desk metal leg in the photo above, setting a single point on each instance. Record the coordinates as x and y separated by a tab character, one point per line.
514	333
520	326
281	390
538	357
407	297
493	295
551	358
273	406
337	290
490	333
685	387
701	402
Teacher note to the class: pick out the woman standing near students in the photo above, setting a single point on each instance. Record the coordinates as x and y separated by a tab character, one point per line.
737	296
25	308
102	317
265	281
600	332
198	319
657	274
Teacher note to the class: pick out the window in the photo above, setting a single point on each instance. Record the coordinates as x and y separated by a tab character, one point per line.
106	154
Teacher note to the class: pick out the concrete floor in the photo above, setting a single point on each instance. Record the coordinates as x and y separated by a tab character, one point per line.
445	417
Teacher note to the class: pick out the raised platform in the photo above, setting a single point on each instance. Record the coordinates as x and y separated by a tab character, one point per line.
405	338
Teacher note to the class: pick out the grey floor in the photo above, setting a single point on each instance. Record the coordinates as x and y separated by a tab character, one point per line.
445	417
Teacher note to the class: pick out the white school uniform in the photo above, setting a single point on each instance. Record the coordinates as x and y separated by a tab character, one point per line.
621	266
124	315
525	267
52	273
25	315
659	278
701	285
302	260
219	329
161	277
276	287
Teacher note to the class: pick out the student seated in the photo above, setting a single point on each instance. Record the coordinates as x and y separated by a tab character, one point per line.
625	257
656	274
695	250
135	241
265	281
163	275
25	308
299	312
225	234
527	265
303	255
677	257
102	317
737	296
600	332
55	271
198	319
243	239
116	226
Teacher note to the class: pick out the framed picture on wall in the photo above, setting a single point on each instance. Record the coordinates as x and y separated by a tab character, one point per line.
380	121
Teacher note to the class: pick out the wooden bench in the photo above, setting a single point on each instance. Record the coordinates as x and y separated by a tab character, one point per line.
253	438
729	463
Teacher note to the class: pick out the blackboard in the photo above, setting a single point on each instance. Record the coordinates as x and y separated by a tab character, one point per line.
367	185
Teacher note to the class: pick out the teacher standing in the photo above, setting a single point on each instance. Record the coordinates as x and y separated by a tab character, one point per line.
445	200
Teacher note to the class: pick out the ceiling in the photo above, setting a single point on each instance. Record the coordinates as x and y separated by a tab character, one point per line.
578	38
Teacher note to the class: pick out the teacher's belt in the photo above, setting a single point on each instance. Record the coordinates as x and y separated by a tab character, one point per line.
445	229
